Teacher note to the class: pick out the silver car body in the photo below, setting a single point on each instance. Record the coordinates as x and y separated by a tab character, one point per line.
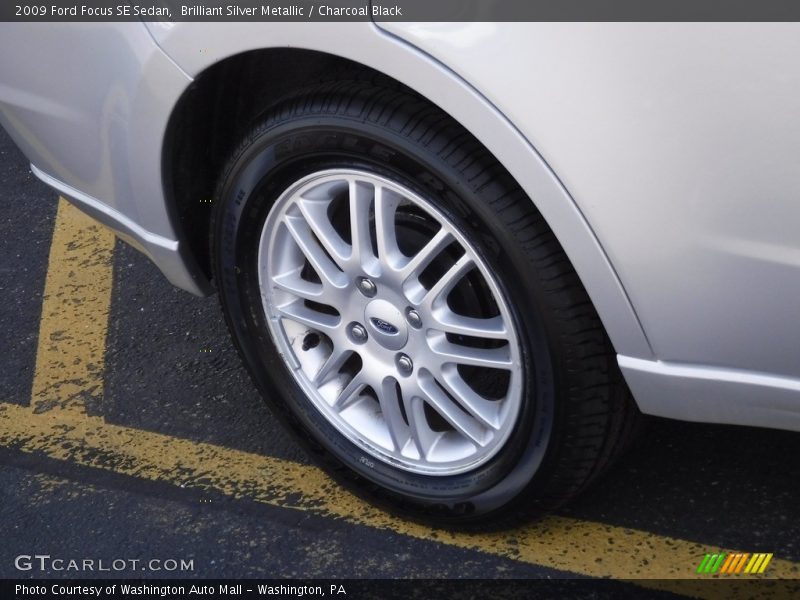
663	155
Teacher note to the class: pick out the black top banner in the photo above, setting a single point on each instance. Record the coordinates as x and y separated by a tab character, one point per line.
401	10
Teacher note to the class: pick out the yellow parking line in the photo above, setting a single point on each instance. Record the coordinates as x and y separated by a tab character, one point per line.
70	356
572	545
567	544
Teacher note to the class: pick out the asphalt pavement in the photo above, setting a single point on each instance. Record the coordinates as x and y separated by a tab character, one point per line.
170	453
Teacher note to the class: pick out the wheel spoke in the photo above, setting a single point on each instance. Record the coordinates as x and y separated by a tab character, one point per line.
441	402
425	256
421	433
332	364
299	312
448	281
491	328
350	392
448	352
386	204
486	411
292	282
315	213
361	195
327	270
390	400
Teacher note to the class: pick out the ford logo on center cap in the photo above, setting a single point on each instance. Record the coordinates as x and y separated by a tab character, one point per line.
384	326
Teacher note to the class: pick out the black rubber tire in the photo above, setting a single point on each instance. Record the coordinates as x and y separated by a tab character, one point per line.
577	413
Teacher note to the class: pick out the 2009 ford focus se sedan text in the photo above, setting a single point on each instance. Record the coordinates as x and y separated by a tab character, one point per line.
460	260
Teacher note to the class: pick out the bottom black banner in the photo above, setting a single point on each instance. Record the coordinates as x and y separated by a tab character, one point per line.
407	589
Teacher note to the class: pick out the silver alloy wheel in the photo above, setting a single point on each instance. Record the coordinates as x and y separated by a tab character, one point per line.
390	322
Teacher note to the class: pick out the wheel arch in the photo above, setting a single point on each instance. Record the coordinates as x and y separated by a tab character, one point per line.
242	77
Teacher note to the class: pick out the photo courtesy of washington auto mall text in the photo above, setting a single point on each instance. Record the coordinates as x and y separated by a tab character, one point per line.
154	590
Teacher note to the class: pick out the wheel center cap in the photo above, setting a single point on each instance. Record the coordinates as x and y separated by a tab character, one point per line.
386	324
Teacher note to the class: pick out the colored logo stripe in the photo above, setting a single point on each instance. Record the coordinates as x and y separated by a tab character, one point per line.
727	564
710	563
734	563
758	563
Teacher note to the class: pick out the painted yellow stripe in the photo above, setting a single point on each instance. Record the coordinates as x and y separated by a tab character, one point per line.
583	547
764	564
572	545
77	295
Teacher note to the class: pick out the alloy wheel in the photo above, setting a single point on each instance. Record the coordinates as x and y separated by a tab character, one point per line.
390	322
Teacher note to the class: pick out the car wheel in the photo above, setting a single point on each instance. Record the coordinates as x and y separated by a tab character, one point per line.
402	304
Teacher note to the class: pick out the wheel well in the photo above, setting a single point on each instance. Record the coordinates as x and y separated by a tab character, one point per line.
212	116
219	106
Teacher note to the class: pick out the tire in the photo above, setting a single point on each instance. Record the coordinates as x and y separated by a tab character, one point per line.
406	408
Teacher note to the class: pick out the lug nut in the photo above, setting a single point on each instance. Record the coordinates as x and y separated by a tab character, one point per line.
358	333
404	365
413	318
366	287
